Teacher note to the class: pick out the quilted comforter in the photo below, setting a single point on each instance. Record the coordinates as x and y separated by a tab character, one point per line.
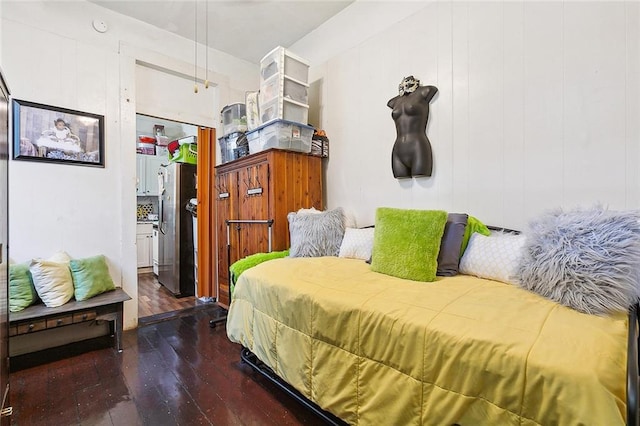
374	349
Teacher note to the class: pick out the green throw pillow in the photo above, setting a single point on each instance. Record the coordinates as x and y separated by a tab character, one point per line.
90	277
406	243
22	293
473	225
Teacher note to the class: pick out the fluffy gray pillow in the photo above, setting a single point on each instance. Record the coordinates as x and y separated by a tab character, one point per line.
588	260
316	234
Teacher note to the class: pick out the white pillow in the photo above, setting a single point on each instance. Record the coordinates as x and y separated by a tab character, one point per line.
52	279
494	257
357	243
312	210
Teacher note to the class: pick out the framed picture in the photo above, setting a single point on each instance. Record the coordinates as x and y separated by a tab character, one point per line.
57	135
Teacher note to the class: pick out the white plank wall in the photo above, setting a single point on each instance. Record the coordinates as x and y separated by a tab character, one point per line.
632	103
543	98
85	210
537	108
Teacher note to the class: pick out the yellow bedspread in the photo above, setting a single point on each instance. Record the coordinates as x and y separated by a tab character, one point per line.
379	350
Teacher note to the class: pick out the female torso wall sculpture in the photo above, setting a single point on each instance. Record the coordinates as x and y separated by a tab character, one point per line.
411	155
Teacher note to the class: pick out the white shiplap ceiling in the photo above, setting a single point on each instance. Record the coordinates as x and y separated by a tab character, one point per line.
244	29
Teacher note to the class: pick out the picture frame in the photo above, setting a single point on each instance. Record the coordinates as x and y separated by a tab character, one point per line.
52	134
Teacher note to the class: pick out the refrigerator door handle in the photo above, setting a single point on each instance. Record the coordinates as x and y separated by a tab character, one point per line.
161	215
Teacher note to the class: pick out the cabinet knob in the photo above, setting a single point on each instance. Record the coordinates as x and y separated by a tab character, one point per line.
84	316
31	326
59	322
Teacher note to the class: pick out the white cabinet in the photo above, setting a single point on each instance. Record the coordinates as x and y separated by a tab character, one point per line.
154	257
147	167
141	163
144	244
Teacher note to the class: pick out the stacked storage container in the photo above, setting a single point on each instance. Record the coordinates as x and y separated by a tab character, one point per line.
283	87
234	122
281	134
283	101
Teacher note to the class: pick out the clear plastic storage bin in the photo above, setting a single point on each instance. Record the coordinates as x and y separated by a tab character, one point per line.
284	109
281	86
227	146
281	134
280	60
234	118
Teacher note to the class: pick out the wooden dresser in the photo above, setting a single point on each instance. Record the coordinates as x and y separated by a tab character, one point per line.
261	187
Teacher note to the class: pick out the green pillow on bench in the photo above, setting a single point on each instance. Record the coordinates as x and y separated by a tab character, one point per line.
22	293
90	277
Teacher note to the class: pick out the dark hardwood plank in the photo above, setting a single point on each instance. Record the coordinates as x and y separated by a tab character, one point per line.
175	372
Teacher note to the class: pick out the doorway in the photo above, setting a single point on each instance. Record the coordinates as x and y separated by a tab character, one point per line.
155	301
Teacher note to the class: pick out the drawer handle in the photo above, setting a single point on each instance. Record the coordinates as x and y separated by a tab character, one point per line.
84	316
58	322
31	326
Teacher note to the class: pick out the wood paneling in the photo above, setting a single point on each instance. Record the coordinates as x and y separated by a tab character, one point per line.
226	191
264	186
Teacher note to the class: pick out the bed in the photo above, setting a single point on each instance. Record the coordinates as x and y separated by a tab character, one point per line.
449	322
376	349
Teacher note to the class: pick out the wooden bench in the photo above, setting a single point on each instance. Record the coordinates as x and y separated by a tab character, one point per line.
106	306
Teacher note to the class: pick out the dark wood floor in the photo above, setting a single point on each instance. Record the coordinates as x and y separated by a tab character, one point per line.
175	372
154	299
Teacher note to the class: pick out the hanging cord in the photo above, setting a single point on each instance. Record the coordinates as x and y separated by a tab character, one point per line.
206	28
195	45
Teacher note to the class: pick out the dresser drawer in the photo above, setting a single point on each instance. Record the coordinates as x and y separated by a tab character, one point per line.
28	327
60	321
84	316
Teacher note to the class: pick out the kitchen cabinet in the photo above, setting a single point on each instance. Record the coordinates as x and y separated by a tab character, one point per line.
265	186
147	167
155	250
144	244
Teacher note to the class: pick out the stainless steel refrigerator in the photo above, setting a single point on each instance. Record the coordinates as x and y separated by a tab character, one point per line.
175	237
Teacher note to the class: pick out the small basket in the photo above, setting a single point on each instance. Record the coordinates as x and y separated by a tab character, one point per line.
241	151
187	153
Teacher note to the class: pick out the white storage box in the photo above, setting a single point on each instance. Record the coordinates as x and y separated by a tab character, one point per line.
284	109
234	118
280	60
281	86
281	134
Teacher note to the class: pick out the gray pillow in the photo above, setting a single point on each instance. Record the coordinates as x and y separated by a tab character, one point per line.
449	255
588	260
316	234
